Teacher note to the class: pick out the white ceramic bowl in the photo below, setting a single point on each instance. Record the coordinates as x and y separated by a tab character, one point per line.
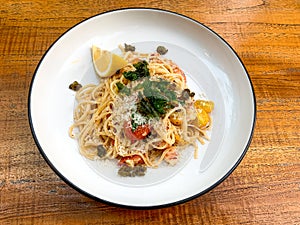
213	70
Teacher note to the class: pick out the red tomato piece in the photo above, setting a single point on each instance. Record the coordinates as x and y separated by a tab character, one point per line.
139	133
142	131
128	131
131	160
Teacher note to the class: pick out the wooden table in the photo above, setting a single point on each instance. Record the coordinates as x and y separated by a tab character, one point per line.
264	189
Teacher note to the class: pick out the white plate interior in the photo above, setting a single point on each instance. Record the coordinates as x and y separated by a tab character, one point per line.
213	71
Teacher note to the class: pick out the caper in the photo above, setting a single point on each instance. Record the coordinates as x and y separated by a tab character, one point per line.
127	171
161	50
139	170
101	151
129	48
192	94
185	94
75	86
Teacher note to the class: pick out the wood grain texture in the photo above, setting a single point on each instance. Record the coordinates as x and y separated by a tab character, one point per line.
264	189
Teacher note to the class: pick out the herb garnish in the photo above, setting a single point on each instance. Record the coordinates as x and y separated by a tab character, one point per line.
141	70
156	98
123	89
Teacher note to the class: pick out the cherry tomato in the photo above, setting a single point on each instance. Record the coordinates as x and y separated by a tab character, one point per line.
142	131
139	133
208	106
203	117
128	131
131	160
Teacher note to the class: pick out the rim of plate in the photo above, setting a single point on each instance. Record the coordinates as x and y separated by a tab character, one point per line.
74	186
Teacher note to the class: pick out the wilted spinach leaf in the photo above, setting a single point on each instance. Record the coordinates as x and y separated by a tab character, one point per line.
141	70
122	88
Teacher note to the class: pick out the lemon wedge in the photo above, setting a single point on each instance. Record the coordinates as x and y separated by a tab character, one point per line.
105	62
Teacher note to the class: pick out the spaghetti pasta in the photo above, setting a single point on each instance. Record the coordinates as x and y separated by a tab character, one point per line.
142	115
